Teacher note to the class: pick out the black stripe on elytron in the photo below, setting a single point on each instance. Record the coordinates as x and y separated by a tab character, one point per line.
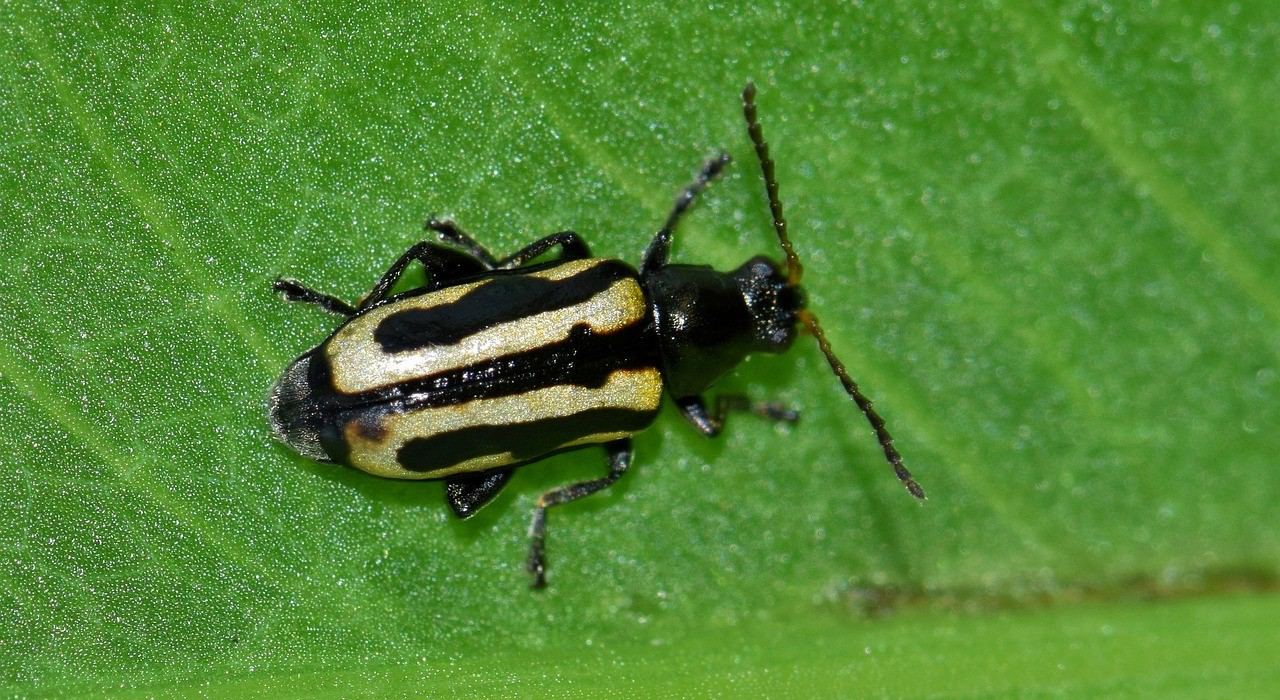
583	358
501	299
525	441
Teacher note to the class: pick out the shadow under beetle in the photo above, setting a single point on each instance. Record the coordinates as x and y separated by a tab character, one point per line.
496	363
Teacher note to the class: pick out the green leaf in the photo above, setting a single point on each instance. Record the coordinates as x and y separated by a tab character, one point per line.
1043	238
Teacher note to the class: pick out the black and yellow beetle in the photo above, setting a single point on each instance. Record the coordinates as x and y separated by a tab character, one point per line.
493	364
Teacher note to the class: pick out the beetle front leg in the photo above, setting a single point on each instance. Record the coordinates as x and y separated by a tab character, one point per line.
619	452
694	410
655	255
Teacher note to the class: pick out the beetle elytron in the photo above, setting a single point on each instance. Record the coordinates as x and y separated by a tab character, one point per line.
495	363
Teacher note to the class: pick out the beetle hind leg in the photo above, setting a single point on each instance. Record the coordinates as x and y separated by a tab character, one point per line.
619	452
444	264
571	245
294	290
694	409
450	232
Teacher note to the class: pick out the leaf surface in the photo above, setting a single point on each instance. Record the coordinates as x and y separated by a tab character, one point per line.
1043	237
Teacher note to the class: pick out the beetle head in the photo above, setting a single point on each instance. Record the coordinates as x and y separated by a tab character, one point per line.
773	301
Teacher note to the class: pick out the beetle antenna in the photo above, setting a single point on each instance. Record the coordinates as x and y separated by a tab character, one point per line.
794	269
793	273
851	387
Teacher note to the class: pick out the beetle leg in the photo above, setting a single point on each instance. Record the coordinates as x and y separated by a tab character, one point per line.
450	233
294	290
619	452
655	256
694	410
443	264
572	247
468	493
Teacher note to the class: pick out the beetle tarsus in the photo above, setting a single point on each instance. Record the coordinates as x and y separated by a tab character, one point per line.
711	423
294	290
536	564
774	411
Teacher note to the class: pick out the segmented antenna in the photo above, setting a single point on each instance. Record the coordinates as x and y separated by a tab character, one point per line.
794	272
794	269
877	423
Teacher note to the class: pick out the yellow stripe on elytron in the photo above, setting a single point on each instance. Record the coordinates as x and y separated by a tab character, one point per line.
360	364
634	389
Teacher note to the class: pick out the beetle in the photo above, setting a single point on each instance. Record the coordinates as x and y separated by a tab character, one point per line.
495	363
